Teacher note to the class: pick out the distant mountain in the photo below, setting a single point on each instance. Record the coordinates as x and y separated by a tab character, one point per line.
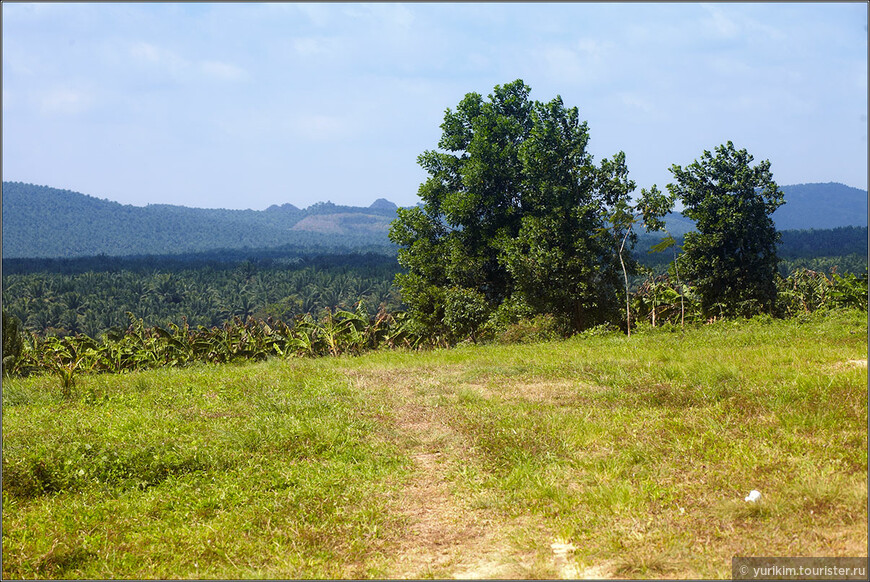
807	206
284	209
820	206
677	224
39	221
383	205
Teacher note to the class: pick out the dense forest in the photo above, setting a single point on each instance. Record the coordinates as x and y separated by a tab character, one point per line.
94	301
231	326
843	249
91	295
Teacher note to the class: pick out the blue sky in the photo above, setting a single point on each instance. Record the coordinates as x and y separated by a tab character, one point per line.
247	105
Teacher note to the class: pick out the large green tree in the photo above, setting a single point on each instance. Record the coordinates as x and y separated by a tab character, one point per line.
731	258
513	220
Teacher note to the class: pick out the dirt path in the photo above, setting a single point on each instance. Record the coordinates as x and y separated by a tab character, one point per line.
447	537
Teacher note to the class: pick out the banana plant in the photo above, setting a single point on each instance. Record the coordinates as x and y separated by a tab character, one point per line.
669	242
804	291
65	358
351	328
849	290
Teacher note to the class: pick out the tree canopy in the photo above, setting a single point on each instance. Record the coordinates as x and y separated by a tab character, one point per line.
732	257
514	219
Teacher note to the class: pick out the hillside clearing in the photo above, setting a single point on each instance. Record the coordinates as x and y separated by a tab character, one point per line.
594	457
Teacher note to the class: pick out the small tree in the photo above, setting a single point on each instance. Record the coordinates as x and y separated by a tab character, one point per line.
669	242
12	342
732	257
649	210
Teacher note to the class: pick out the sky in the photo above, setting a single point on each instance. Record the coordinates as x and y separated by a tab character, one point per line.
237	105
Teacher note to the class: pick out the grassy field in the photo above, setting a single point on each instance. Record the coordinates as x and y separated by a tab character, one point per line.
600	456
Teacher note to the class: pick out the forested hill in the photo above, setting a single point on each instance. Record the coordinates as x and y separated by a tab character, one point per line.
39	221
820	206
807	206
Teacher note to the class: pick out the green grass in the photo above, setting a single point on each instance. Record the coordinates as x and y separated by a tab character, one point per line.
639	451
272	470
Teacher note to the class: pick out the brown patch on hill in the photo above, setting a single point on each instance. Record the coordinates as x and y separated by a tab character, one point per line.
343	223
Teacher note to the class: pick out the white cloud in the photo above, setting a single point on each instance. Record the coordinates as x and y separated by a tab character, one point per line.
151	54
395	15
146	52
636	102
388	15
318	14
737	23
591	48
577	62
316	46
718	23
9	100
320	127
18	60
65	101
562	61
222	71
730	67
178	67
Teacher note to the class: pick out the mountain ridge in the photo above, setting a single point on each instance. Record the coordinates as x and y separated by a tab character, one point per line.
41	221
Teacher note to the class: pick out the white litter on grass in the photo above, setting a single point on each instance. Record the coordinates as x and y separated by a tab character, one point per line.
563	551
753	496
562	548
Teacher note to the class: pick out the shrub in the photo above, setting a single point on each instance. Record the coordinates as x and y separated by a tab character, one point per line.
849	290
805	291
12	342
540	328
465	312
603	329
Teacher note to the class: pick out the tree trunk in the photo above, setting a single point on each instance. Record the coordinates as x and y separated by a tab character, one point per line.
680	287
625	276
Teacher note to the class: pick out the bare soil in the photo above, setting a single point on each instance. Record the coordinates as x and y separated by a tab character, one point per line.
446	536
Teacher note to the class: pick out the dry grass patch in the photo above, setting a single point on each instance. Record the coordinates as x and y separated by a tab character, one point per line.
554	392
850	364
